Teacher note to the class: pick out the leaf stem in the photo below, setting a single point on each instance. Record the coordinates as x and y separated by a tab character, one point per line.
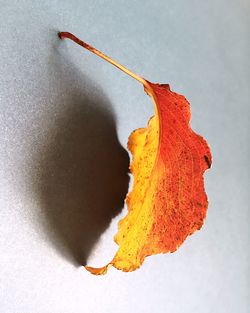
68	35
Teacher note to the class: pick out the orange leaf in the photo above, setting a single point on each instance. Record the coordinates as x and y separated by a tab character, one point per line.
168	201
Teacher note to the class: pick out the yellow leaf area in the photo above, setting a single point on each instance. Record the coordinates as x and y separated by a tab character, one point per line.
167	202
133	235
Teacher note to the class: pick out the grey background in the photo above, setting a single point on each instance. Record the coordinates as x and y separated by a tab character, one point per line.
65	119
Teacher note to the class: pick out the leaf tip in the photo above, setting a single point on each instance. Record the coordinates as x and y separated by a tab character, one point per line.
98	270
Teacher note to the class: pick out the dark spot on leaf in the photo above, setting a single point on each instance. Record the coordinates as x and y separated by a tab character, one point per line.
208	161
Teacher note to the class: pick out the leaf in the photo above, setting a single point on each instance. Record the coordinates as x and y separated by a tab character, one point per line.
168	201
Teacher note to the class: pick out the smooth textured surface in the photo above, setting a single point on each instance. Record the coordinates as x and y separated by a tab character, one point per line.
63	171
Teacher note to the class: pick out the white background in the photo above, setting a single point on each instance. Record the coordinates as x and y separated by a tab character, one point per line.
62	167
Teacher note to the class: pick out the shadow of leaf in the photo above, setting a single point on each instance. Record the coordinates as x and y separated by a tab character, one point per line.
82	169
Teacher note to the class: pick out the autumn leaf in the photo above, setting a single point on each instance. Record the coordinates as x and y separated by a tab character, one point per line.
168	201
